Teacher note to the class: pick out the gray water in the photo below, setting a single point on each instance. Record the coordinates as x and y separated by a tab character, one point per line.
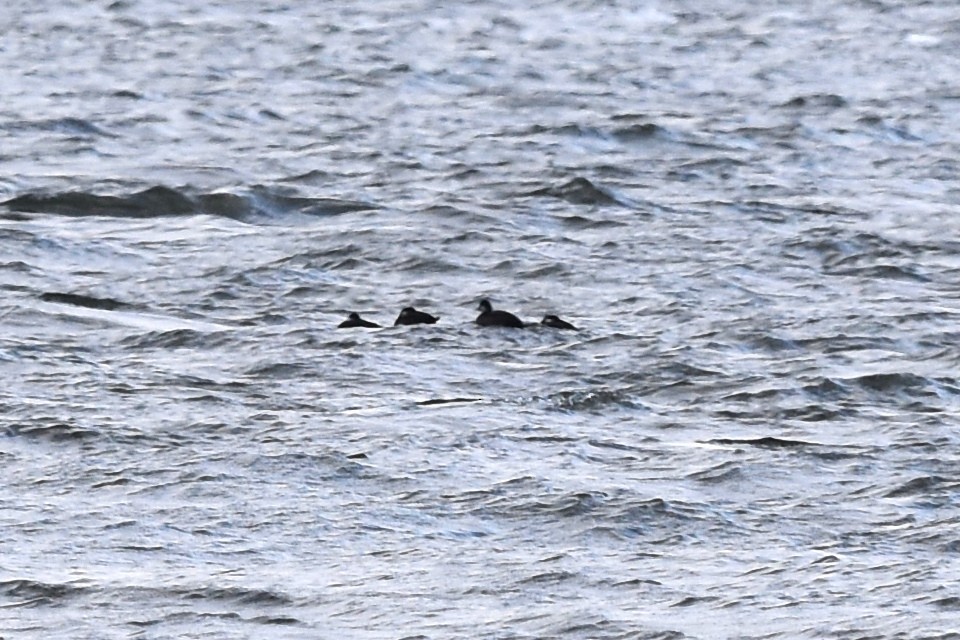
748	209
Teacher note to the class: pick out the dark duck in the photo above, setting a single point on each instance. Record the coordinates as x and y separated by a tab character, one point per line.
490	317
557	323
354	320
409	315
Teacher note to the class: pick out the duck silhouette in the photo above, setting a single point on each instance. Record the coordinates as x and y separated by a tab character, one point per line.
557	323
409	315
354	320
490	317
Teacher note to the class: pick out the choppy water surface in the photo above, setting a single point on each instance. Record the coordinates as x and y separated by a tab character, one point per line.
748	209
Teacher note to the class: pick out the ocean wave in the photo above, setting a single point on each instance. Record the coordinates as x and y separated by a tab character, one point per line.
592	400
257	204
33	593
81	300
581	191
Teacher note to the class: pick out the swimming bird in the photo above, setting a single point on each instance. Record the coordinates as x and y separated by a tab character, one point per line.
409	315
354	320
495	318
556	323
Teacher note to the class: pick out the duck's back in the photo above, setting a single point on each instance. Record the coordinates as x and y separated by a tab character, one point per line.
497	318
